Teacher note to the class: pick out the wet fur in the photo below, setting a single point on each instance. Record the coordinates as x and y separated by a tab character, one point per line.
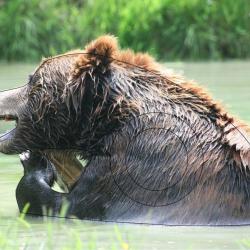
141	129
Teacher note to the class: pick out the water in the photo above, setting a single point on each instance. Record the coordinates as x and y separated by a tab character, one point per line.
228	82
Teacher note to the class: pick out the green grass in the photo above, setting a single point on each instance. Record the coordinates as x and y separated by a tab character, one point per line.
168	29
52	234
57	234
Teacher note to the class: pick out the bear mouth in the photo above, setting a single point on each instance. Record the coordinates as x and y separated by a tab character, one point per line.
68	167
7	136
12	104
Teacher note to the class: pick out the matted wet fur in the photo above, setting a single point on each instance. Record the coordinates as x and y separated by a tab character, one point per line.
159	148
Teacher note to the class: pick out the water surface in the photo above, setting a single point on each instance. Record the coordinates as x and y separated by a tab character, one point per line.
228	82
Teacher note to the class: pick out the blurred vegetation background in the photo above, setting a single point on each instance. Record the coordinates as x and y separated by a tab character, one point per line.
168	29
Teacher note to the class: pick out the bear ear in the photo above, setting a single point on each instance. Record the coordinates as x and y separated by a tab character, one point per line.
98	53
237	136
104	46
88	67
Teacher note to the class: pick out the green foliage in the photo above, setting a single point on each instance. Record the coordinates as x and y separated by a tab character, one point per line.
34	28
169	29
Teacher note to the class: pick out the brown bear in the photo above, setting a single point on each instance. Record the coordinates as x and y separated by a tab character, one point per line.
158	148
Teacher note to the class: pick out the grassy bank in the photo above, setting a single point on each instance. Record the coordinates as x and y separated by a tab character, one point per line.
168	29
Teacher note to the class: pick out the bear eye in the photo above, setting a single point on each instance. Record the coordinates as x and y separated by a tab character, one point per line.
30	78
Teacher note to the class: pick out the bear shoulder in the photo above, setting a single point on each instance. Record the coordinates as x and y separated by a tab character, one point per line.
105	50
236	133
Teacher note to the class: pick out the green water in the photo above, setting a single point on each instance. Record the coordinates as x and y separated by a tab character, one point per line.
228	82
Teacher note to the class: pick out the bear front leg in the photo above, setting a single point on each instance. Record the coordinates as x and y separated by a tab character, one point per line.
35	186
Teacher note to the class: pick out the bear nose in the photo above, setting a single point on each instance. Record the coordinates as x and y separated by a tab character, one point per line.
12	103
